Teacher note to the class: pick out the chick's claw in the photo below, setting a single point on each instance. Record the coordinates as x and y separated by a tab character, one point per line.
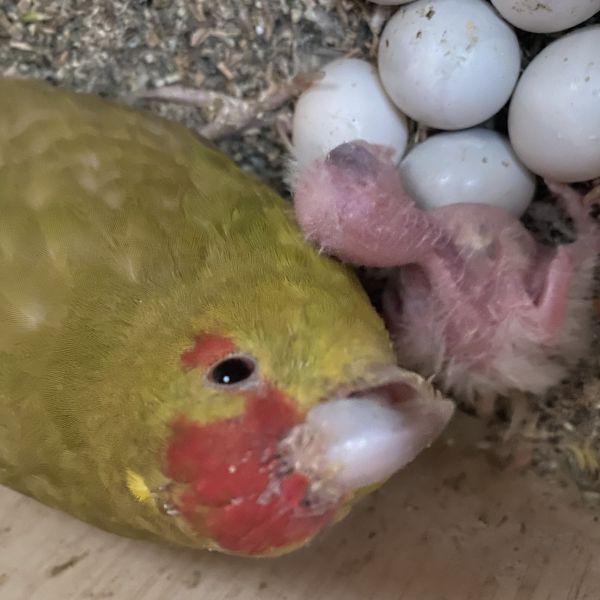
476	302
577	207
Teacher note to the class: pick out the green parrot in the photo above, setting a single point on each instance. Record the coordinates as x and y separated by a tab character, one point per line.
176	363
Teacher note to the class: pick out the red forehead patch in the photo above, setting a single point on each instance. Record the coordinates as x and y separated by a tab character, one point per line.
236	492
207	350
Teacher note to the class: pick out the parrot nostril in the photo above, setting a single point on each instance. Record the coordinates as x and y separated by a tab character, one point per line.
354	157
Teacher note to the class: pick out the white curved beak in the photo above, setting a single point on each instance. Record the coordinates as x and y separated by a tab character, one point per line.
363	438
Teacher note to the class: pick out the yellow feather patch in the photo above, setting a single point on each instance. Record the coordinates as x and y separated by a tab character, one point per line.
137	486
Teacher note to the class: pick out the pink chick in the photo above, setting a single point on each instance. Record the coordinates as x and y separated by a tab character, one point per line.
477	303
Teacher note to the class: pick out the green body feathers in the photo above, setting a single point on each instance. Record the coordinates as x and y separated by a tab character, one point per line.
122	237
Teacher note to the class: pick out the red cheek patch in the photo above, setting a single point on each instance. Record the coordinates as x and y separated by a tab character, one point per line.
207	350
234	493
252	527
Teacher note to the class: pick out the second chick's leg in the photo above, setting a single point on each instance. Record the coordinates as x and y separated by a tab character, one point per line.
570	272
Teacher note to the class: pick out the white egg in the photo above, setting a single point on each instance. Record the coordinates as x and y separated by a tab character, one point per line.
449	64
476	165
554	116
546	16
349	103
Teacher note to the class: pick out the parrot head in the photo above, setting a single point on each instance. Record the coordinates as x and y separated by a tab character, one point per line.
274	475
286	406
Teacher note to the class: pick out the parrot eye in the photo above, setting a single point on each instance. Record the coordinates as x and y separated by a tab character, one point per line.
232	371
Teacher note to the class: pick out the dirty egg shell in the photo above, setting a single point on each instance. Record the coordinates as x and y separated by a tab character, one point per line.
449	64
554	116
476	165
347	104
547	16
